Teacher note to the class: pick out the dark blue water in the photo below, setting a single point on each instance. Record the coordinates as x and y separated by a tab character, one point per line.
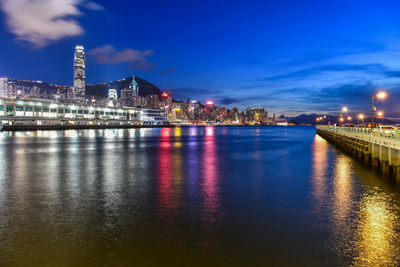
191	196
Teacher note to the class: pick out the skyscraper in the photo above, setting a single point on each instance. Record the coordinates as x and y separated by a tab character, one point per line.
134	87
79	73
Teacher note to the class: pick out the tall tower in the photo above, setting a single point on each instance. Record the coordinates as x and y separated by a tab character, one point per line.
134	87
79	73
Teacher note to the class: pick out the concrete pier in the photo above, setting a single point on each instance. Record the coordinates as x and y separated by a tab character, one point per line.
377	148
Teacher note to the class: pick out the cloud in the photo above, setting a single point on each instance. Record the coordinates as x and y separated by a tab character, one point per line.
229	100
40	22
168	71
108	54
305	73
143	65
93	6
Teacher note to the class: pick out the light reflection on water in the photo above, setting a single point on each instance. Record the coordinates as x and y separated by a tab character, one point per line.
365	220
201	195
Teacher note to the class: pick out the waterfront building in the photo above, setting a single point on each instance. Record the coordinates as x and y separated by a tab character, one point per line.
152	116
47	112
79	73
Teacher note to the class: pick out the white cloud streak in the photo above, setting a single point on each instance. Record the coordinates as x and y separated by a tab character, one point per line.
40	22
108	54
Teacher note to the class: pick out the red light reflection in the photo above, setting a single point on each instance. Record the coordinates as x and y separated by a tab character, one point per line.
165	173
210	177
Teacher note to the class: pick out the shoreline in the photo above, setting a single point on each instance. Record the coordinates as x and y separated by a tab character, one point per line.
16	128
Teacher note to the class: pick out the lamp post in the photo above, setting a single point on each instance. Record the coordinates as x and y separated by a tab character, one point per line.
380	95
361	117
344	110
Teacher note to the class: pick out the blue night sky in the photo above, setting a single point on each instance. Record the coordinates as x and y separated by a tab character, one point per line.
291	57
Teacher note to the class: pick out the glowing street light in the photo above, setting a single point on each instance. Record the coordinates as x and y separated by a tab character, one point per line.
379	95
349	118
345	109
341	119
380	113
361	116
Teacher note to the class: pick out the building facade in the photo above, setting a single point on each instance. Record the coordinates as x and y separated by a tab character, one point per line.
126	97
3	86
79	73
46	112
134	87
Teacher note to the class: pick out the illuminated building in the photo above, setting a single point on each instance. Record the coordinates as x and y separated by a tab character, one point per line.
209	106
46	112
112	94
134	87
3	86
127	97
79	73
112	97
151	116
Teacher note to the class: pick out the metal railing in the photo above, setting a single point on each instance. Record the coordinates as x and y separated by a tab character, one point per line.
385	133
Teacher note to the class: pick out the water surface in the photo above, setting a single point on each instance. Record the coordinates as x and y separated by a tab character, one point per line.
192	196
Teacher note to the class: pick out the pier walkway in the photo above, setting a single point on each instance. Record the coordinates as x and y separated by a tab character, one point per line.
376	147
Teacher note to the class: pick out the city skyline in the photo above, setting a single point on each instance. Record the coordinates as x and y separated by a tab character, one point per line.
272	58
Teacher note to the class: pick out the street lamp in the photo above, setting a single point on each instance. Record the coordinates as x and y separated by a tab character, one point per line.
380	113
345	109
349	118
380	95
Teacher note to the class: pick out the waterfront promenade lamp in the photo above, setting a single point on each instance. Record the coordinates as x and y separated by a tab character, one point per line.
380	95
361	117
344	110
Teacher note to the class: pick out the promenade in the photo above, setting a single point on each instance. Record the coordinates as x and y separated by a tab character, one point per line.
378	148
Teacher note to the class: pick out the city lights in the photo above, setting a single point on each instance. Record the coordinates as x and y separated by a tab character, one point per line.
380	113
345	109
361	116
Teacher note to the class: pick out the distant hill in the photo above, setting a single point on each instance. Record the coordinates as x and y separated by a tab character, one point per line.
42	87
101	90
311	119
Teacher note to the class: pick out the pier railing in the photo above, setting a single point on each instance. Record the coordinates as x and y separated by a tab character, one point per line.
379	147
385	133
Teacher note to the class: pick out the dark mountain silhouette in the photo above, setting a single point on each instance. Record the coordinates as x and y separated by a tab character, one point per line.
101	90
311	119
